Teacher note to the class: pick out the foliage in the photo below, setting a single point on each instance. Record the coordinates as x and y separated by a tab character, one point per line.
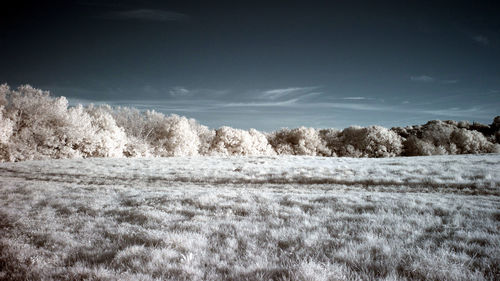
35	125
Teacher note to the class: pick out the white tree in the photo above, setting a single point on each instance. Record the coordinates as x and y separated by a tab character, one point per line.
373	141
109	140
470	141
39	123
170	136
182	139
34	125
79	131
4	91
449	137
134	124
5	134
298	141
230	141
205	136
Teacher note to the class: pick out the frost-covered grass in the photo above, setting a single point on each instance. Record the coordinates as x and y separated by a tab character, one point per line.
255	218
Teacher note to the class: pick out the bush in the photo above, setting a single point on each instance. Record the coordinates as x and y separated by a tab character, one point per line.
495	127
108	139
133	123
43	127
298	141
6	126
373	141
205	135
471	142
40	125
170	136
437	137
229	141
34	125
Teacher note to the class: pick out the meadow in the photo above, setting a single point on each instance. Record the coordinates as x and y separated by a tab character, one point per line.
251	218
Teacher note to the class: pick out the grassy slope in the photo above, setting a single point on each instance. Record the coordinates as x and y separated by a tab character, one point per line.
108	219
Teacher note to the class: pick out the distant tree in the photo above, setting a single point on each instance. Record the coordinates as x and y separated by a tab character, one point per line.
205	135
134	124
39	125
35	125
495	127
438	137
108	140
230	141
6	126
373	141
471	141
298	141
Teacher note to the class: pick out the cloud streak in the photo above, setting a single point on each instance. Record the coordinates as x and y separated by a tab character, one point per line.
279	93
422	78
352	106
147	15
429	79
294	103
262	104
179	91
474	112
354	98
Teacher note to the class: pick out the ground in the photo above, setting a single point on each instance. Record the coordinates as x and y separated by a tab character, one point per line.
251	218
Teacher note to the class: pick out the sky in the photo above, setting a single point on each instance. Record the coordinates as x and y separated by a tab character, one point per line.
263	64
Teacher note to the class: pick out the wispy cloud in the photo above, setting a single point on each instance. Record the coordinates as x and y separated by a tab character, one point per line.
353	106
474	112
179	91
483	40
182	93
308	95
279	93
147	15
422	78
294	103
429	79
261	104
354	98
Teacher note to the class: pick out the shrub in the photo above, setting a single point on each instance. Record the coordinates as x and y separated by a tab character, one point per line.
6	127
437	137
495	127
230	141
170	136
471	142
153	133
34	125
108	139
373	141
43	127
205	135
298	141
40	125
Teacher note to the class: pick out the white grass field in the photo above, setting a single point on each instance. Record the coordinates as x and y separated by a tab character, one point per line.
251	218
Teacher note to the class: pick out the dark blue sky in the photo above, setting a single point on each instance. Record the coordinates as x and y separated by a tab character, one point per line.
263	64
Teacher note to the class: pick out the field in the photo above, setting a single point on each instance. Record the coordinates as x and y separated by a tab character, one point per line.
251	218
